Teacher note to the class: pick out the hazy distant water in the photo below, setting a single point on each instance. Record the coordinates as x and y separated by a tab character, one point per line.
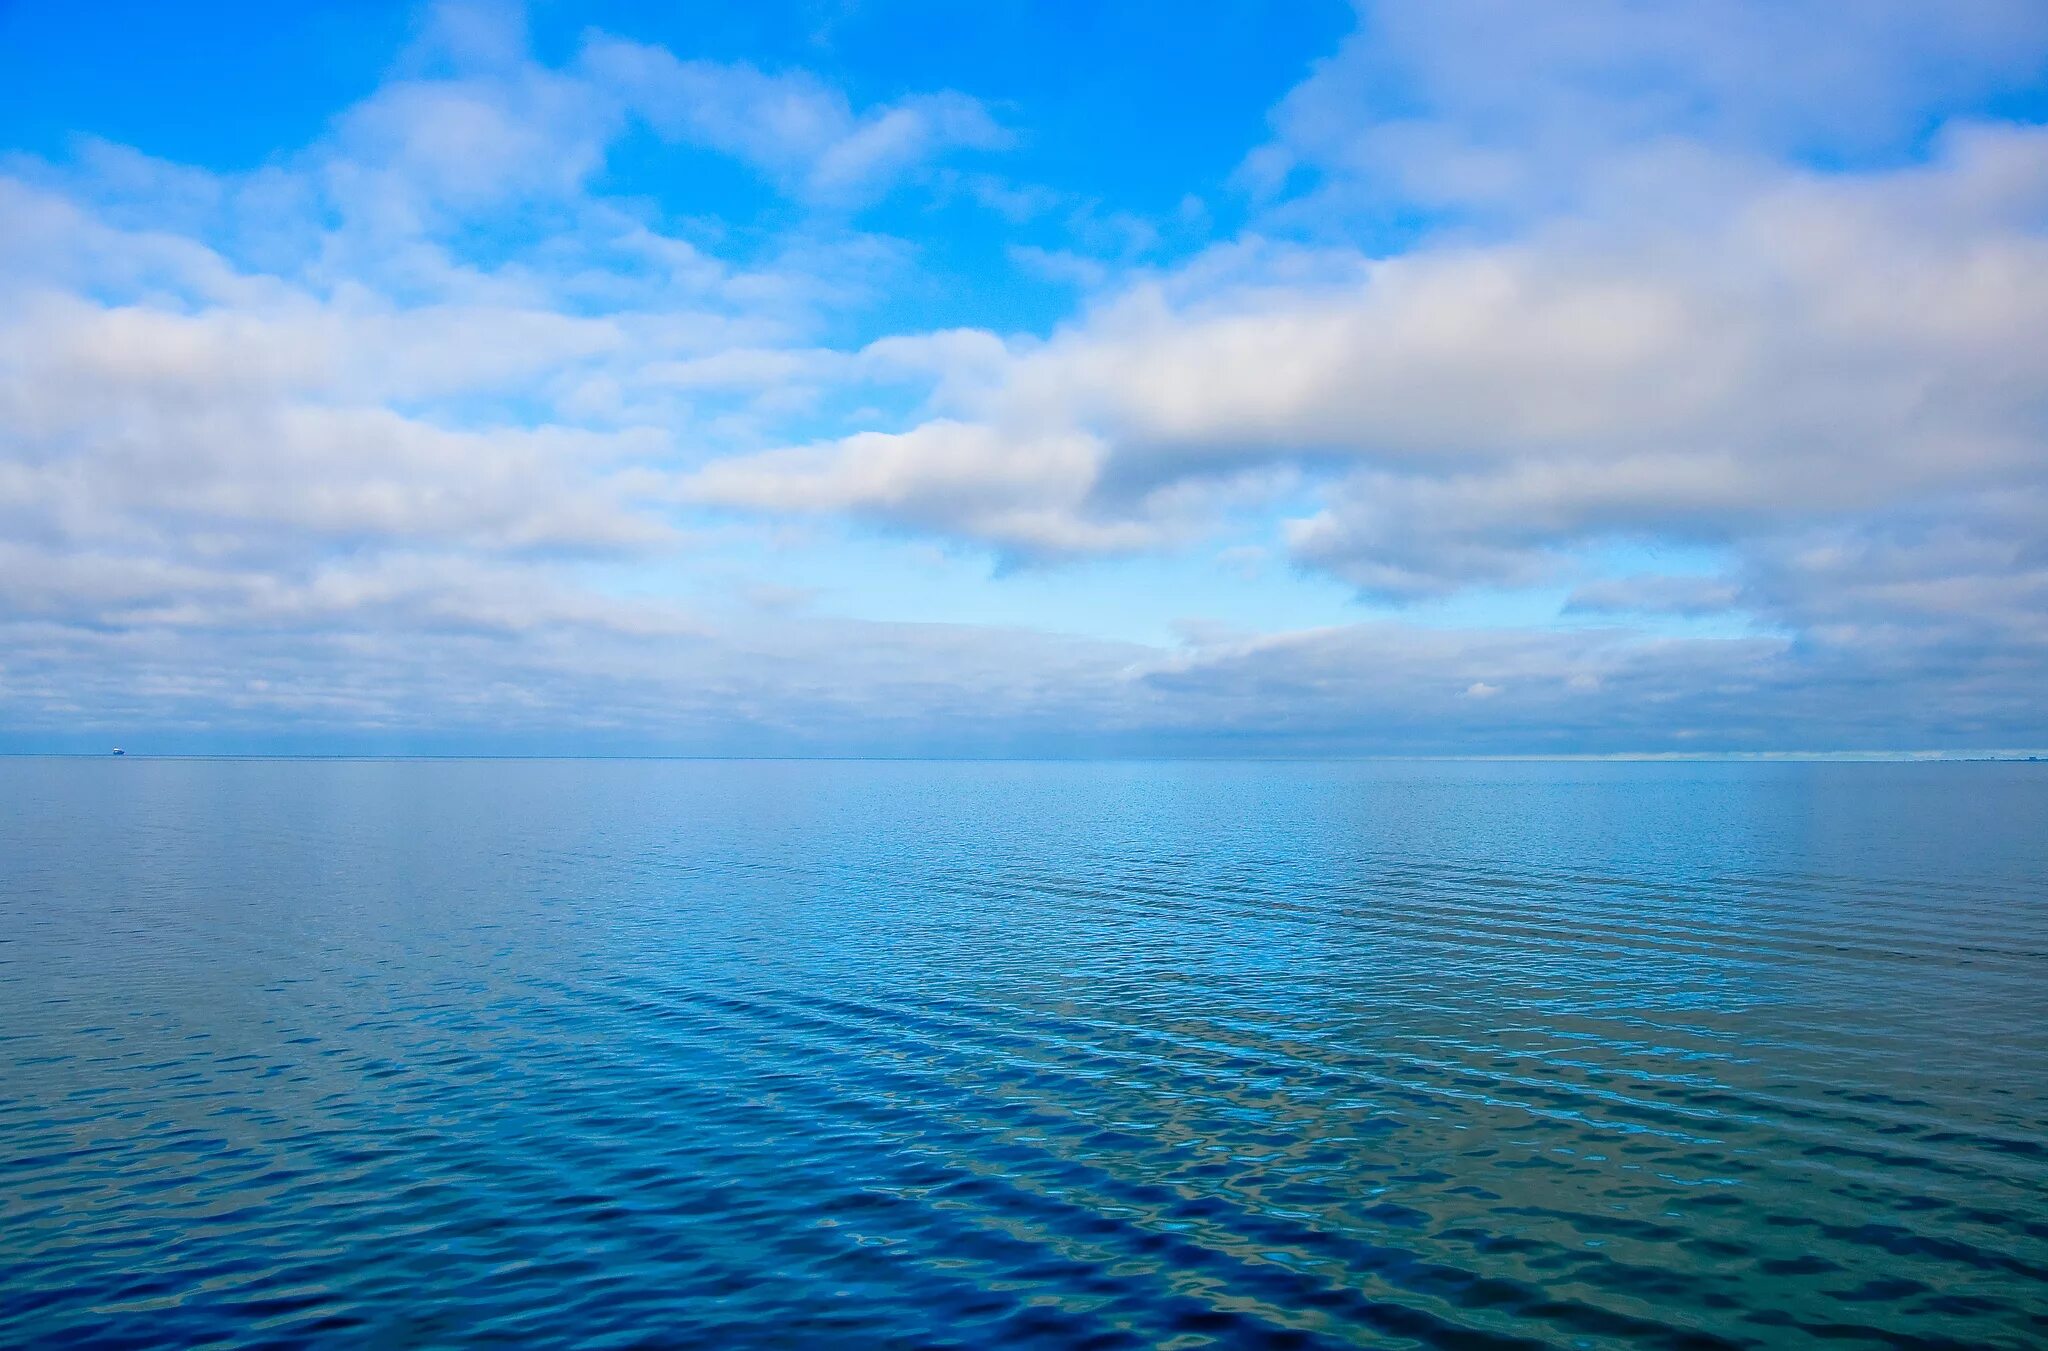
1000	1055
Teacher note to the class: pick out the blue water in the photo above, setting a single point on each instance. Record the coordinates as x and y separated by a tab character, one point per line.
1181	1055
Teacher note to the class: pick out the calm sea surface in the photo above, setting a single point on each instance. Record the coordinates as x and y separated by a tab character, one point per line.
891	1054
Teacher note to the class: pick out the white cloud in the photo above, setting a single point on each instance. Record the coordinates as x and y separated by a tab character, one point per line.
954	477
1815	347
1503	106
293	448
124	421
803	133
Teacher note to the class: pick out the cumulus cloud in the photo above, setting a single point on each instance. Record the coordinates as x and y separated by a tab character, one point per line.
1806	347
292	447
256	422
1025	494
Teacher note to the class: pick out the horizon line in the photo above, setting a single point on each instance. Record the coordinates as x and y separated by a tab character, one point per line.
1920	756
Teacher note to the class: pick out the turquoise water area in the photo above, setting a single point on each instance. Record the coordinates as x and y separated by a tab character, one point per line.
539	1053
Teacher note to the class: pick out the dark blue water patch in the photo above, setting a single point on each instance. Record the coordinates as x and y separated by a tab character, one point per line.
562	1053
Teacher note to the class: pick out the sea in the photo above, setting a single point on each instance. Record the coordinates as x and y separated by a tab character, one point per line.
538	1053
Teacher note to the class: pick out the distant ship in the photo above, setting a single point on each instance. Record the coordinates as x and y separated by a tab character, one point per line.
119	751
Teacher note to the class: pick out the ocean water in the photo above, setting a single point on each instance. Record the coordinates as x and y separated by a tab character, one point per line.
993	1055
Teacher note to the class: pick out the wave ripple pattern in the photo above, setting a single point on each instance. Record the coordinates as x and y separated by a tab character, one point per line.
1023	1055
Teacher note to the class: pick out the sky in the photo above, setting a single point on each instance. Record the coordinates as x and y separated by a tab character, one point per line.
896	377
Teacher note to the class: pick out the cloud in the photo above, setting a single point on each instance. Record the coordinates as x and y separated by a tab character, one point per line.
952	477
394	659
1386	687
1653	594
307	356
804	134
123	421
1813	347
1495	107
404	433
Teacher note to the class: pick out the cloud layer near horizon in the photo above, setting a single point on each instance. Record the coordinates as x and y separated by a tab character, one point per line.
392	441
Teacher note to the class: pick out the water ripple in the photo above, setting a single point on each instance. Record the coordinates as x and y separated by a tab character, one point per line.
410	1054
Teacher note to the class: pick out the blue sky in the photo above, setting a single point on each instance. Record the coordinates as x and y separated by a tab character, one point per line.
1017	379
